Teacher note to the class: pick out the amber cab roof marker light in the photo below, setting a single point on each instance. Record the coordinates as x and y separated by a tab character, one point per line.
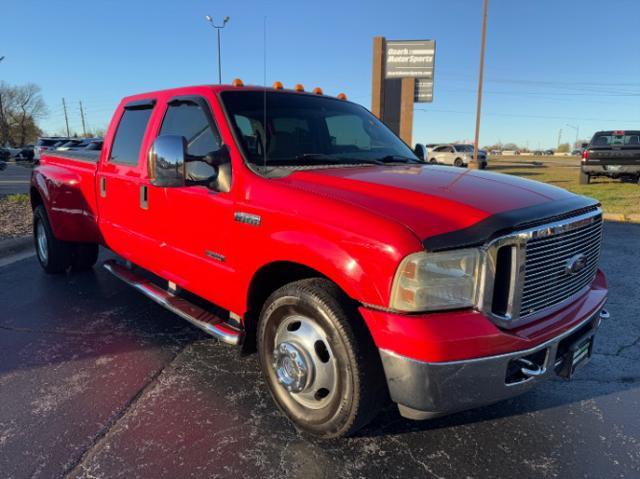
277	85
237	82
342	96
299	87
317	90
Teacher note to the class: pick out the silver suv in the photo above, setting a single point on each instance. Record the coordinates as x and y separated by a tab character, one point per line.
456	155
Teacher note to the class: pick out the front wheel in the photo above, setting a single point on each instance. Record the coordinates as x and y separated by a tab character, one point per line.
433	161
319	361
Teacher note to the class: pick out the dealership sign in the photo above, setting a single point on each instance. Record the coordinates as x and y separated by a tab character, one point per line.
423	92
409	58
412	59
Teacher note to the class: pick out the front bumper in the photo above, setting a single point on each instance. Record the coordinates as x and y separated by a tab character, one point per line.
430	389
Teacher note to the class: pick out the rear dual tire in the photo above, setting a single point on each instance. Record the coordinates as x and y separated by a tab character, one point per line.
56	256
321	366
585	178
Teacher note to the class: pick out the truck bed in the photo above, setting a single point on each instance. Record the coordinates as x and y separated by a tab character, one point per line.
68	179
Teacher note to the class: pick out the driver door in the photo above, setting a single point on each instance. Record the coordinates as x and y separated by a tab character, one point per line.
195	222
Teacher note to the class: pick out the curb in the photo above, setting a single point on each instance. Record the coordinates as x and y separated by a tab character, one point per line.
11	246
632	218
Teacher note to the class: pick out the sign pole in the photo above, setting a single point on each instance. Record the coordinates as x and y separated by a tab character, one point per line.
474	165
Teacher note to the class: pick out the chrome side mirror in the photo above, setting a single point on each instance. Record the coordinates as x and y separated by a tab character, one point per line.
420	151
166	161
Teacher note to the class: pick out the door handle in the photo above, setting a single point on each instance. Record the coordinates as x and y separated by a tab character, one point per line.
103	187
144	197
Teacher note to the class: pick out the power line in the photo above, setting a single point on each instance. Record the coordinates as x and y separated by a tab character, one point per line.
541	117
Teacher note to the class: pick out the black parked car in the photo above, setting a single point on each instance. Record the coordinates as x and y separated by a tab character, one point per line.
26	153
615	154
5	154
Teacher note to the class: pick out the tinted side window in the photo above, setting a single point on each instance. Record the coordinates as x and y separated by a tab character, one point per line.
128	138
187	119
347	130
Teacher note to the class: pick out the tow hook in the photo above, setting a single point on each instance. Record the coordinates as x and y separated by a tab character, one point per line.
604	314
531	369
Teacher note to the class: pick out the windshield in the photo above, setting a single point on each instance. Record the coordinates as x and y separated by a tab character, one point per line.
309	130
466	148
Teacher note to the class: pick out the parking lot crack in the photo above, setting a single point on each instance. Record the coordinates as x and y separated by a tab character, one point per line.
103	434
628	346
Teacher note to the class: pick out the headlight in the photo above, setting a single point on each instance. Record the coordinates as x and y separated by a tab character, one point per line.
435	281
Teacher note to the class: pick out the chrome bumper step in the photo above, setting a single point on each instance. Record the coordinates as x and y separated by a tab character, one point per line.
199	317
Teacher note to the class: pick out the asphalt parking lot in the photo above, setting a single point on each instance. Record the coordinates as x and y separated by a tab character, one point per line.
15	179
97	381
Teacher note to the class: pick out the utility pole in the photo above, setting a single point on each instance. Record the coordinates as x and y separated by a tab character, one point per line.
3	124
480	77
66	118
559	137
84	129
209	19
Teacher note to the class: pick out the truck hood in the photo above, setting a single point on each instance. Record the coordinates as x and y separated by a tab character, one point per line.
430	200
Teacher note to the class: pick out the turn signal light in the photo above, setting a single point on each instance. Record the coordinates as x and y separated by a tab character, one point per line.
237	82
299	87
317	90
585	155
342	96
278	85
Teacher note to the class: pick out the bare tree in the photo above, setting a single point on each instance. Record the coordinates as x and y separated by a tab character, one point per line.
20	109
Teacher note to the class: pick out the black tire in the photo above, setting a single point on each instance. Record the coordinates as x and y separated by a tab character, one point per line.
585	178
85	256
458	162
359	389
55	256
433	161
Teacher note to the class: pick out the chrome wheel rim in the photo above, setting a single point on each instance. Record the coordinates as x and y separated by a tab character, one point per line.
41	237
304	363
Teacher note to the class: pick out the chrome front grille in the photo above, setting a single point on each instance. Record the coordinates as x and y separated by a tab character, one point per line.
529	273
548	279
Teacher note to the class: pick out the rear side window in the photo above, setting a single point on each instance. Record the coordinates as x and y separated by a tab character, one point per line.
629	138
187	119
128	139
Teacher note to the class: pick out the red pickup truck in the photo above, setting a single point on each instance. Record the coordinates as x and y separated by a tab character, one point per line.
299	225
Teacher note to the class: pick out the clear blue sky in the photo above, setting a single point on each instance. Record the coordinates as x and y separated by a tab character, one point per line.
548	62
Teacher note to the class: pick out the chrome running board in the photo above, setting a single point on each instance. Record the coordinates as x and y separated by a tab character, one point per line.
199	317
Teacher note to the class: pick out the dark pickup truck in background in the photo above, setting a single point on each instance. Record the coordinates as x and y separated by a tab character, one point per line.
615	154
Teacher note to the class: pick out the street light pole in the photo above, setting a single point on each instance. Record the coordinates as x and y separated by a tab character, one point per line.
577	128
209	19
480	77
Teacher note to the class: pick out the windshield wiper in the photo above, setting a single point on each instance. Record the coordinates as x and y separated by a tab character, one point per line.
320	159
397	159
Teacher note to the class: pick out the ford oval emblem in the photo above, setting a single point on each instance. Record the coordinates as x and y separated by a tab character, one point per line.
576	263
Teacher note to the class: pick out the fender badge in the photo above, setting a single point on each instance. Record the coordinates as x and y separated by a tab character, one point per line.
247	218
